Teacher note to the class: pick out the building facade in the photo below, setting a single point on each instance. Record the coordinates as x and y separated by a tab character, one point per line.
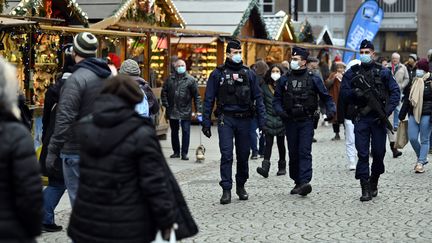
406	27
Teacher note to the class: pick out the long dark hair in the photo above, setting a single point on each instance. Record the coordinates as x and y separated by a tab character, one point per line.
267	76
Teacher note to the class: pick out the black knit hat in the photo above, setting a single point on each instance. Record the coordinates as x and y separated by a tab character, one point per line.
366	44
298	51
85	45
124	87
234	44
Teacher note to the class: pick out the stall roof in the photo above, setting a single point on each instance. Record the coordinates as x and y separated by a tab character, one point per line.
11	4
220	15
9	22
193	40
117	11
323	34
275	24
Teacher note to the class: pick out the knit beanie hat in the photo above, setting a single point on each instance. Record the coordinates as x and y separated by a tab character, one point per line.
130	67
423	64
85	45
124	87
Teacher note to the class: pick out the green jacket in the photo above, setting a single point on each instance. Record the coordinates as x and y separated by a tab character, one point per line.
274	124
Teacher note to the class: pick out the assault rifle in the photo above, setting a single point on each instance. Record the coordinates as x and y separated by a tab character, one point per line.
373	102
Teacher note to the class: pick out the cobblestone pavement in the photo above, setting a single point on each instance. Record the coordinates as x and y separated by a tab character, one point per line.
402	211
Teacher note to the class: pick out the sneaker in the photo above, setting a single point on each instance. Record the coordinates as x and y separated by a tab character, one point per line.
419	168
51	228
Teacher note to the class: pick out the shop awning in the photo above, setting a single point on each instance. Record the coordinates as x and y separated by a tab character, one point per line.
9	22
193	40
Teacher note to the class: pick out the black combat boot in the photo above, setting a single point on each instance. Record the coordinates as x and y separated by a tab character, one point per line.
373	181
366	194
264	169
304	189
281	168
226	197
241	192
295	190
395	151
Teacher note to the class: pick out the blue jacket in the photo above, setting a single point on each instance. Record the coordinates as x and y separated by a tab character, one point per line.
349	97
319	88
212	91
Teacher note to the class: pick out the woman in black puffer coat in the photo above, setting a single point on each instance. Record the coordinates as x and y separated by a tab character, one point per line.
20	181
274	124
126	191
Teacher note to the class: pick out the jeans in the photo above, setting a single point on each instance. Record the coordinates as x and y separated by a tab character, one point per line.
71	174
254	136
423	129
175	142
396	117
52	195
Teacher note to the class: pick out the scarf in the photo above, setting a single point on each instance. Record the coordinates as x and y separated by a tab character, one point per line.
416	96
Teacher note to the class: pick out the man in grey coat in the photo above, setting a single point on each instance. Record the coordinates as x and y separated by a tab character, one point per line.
76	101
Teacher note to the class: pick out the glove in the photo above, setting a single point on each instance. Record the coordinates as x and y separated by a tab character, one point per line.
49	162
206	131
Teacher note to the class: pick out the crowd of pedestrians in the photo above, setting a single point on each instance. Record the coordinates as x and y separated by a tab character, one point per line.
100	143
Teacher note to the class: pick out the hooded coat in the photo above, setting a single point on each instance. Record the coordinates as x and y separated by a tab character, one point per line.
126	190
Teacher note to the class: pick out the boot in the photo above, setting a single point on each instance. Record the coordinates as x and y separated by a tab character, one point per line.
226	197
396	152
336	137
264	169
373	181
241	192
304	189
365	187
282	168
295	190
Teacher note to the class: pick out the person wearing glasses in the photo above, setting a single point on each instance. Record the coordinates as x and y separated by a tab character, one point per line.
369	129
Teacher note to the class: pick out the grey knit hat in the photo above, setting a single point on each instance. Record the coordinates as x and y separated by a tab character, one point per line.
130	67
85	45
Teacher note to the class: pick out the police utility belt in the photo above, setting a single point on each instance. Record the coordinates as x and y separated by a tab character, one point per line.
244	114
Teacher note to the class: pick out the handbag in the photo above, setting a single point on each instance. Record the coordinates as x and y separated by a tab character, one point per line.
402	135
159	238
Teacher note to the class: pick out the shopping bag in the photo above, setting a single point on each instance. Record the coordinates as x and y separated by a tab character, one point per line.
402	135
159	238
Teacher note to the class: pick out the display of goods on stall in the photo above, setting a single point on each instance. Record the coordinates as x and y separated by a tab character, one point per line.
12	47
203	63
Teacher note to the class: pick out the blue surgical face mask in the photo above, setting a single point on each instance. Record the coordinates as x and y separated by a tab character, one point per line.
181	69
295	65
420	73
236	58
365	58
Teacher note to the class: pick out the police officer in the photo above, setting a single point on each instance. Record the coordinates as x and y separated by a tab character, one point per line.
369	129
296	102
237	94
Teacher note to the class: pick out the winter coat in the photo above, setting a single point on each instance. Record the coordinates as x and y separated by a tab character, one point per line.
20	184
274	124
126	190
407	108
76	101
177	94
48	122
401	76
333	86
151	98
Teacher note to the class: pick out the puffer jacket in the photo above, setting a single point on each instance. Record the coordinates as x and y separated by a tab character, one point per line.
125	192
76	101
274	124
177	94
20	184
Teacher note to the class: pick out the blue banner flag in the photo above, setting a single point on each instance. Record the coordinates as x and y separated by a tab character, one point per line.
365	25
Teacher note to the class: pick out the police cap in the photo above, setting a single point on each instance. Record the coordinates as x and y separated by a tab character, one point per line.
234	44
298	51
365	44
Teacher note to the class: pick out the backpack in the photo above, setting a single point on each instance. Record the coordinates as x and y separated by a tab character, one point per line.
143	108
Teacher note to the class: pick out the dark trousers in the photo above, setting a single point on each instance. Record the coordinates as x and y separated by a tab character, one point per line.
269	145
254	136
367	132
336	127
238	130
299	136
262	144
175	127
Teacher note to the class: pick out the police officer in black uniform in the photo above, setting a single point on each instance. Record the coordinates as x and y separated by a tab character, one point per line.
296	102
238	98
369	126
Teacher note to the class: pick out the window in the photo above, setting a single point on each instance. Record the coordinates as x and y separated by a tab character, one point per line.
300	7
338	5
325	6
312	6
267	6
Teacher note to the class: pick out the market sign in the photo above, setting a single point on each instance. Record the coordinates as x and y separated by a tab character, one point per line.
365	25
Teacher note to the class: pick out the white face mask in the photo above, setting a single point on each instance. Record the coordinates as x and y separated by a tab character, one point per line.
420	73
275	76
295	65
